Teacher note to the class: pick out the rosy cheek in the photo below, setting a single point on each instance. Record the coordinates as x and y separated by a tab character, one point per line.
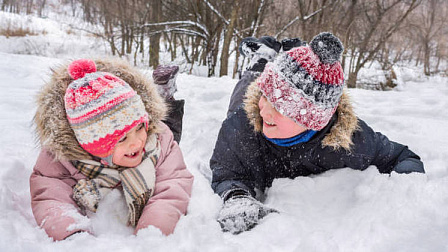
143	137
279	119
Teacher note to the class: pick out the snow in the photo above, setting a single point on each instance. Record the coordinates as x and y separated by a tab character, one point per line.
51	38
340	210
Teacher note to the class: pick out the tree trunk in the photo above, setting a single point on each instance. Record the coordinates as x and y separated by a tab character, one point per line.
439	58
5	2
171	45
28	6
427	52
41	8
142	44
86	10
227	39
184	49
154	41
237	58
352	77
174	42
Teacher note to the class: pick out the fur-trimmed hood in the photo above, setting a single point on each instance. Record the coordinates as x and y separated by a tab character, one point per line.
51	125
340	135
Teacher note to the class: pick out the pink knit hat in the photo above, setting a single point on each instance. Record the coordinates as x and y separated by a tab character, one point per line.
101	108
305	84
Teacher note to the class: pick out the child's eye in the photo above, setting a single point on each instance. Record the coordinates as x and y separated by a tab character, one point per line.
122	139
140	126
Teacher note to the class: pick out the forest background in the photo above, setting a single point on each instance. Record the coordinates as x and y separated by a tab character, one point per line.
340	210
207	32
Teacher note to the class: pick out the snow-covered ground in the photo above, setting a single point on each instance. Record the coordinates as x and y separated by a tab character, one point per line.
341	210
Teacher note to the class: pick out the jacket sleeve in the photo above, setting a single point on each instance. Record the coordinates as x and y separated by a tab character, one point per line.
387	155
172	190
237	97
234	158
175	117
51	198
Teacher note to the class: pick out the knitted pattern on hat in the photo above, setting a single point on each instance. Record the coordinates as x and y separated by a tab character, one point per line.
101	108
306	83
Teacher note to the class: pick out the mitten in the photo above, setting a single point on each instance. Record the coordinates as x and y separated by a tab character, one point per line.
409	165
164	77
242	213
259	51
289	43
86	194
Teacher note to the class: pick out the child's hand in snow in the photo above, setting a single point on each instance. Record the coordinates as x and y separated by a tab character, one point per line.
78	236
242	213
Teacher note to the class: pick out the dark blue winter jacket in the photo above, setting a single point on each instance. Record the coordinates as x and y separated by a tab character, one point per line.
243	159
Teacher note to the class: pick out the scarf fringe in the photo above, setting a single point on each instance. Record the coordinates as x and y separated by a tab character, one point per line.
137	206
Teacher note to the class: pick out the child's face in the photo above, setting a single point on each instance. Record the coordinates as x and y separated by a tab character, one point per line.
129	150
276	125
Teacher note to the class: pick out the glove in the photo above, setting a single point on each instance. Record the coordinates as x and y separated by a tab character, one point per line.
409	165
86	194
259	51
164	77
288	44
163	73
242	213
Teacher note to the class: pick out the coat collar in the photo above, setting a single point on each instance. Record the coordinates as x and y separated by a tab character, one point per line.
338	131
51	125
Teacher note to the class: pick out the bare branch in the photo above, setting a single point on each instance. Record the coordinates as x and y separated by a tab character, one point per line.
297	18
200	26
256	23
216	12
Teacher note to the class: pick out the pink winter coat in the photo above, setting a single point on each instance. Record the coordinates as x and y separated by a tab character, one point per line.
54	176
53	207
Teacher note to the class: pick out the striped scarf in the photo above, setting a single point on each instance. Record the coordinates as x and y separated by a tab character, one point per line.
138	182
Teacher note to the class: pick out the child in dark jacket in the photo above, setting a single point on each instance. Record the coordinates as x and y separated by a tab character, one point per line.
295	121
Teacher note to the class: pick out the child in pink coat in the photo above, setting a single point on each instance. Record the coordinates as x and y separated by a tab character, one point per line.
100	127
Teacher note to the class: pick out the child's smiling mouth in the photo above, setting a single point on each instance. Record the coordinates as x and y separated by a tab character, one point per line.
133	154
269	124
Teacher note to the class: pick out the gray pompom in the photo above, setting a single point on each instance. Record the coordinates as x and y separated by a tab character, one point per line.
328	47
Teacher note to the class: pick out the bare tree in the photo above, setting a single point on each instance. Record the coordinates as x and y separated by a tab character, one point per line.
154	43
373	30
427	26
207	32
228	38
